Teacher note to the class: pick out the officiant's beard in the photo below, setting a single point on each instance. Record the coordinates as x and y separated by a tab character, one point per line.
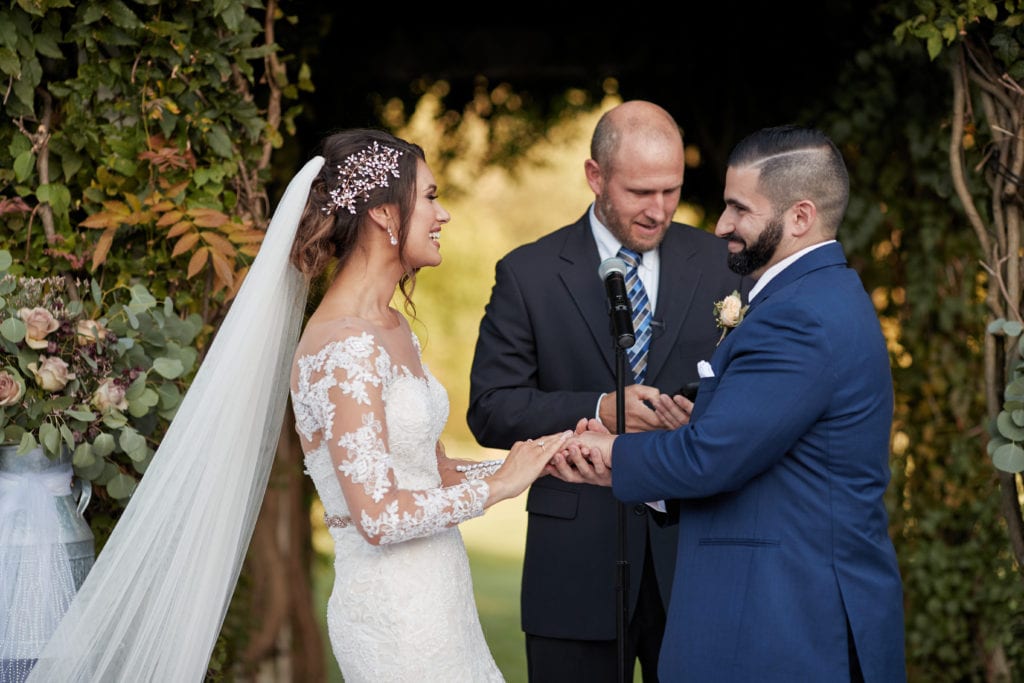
758	254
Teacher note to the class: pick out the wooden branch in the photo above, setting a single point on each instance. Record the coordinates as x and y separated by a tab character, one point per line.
273	67
956	136
996	303
1010	505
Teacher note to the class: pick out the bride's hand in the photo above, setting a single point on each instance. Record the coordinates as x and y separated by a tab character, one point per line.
525	462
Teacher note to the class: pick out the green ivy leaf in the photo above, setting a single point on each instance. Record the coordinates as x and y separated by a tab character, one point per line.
9	62
23	165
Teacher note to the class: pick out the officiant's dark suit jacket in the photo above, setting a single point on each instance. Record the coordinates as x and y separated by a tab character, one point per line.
543	358
780	476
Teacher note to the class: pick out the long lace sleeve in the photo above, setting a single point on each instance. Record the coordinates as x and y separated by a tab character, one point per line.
342	402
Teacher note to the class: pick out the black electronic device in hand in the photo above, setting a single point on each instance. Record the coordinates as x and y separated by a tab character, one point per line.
689	390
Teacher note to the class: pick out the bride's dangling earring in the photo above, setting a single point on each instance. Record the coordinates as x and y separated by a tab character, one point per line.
394	240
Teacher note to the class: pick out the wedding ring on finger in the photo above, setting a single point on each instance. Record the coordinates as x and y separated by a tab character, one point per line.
539	444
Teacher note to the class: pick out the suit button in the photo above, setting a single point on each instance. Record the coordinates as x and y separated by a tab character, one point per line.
640	510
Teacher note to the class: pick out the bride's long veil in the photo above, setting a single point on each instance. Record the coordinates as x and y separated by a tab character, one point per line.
153	604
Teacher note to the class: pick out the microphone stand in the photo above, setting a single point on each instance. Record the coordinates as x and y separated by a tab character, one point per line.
622	613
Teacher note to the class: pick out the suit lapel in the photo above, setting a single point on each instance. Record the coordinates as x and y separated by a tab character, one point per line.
822	257
677	283
578	272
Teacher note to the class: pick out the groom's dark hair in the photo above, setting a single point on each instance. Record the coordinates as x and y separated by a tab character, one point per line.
797	163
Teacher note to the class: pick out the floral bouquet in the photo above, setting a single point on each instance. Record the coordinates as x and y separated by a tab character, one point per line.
100	375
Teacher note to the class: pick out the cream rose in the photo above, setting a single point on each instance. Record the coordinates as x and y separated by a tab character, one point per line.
11	388
39	322
109	394
731	312
51	373
90	331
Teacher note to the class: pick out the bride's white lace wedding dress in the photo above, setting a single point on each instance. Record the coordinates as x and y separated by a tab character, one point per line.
402	608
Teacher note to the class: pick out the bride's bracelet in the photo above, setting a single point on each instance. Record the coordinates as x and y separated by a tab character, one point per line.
479	470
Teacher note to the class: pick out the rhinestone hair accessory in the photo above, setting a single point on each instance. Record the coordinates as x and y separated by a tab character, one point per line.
360	173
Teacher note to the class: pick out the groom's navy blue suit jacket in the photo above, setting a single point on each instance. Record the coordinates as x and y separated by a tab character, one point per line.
779	478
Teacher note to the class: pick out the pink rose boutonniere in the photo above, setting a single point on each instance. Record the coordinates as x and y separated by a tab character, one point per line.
729	313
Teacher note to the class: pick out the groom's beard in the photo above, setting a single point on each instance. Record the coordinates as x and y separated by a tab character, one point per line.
758	254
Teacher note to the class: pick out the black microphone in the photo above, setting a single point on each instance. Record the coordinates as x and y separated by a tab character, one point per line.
613	272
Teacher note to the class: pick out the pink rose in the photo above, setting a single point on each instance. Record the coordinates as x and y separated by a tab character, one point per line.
51	373
109	395
11	388
39	322
90	332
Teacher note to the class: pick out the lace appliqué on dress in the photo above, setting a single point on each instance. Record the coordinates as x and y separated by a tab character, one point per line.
398	611
364	373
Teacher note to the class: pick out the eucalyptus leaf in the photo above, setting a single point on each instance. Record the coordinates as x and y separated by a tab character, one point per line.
130	440
83	414
136	388
28	443
103	445
6	260
1013	328
115	419
92	470
1014	390
121	487
83	456
143	404
69	438
13	329
169	368
1009	458
1007	427
49	436
994	443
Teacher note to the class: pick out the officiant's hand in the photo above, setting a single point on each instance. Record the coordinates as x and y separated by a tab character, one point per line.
646	409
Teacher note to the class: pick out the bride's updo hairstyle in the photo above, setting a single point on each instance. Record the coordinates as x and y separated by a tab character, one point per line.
363	169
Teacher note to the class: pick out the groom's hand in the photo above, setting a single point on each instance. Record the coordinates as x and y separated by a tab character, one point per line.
586	458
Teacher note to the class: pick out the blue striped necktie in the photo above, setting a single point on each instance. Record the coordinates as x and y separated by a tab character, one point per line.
641	306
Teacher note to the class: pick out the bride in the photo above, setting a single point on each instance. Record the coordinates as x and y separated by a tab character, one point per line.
369	415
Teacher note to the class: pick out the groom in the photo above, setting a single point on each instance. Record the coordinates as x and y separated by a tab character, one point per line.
785	570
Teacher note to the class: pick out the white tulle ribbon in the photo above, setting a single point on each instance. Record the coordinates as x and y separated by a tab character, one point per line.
36	579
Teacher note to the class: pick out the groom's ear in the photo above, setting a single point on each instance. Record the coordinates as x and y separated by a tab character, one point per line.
803	216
